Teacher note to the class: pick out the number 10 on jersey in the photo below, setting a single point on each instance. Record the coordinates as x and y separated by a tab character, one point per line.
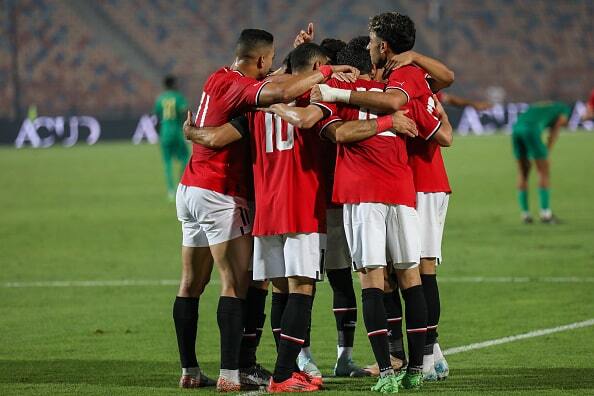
274	133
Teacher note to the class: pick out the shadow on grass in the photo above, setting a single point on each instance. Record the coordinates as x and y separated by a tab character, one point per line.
164	375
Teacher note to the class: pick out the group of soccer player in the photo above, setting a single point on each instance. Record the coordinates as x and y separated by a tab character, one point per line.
340	150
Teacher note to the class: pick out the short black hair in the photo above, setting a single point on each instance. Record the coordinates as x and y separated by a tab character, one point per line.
305	55
287	63
251	40
170	81
396	29
355	54
332	47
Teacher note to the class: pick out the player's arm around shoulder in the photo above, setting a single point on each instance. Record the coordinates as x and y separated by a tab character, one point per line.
356	131
215	137
300	117
289	89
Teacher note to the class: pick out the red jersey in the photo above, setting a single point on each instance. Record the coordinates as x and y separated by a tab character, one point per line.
591	100
424	155
372	170
227	93
288	176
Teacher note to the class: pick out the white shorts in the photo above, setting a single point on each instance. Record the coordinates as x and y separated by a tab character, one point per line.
282	256
337	248
209	217
432	209
379	233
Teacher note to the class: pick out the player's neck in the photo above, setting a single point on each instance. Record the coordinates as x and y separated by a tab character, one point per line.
366	77
245	68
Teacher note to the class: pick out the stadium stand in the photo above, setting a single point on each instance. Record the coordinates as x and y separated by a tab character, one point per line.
67	64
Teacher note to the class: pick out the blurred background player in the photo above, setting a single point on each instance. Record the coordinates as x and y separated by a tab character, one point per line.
170	109
589	114
528	146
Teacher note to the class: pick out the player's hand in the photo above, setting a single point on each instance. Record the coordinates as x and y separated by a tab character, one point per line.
480	106
404	125
397	61
315	95
269	109
304	36
346	69
344	77
188	125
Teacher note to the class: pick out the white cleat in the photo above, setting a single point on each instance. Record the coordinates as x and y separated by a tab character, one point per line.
307	365
441	369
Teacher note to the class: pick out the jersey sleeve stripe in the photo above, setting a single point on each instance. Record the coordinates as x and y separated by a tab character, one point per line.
258	93
328	123
199	107
204	111
399	88
324	107
434	131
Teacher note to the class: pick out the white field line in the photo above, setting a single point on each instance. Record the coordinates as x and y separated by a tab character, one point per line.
515	279
93	283
174	282
485	344
530	334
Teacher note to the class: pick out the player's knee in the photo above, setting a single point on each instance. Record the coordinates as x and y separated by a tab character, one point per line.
408	278
428	266
189	287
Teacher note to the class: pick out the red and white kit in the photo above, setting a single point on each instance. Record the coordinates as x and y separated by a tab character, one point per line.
431	180
290	219
375	184
211	198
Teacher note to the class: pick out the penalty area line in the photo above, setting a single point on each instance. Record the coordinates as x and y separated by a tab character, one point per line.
518	337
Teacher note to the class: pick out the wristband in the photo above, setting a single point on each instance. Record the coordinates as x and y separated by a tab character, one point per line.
326	71
384	123
333	95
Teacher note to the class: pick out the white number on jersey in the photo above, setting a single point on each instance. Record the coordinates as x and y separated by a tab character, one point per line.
366	114
274	126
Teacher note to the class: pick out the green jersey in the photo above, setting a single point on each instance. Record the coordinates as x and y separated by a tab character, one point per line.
170	108
540	116
526	136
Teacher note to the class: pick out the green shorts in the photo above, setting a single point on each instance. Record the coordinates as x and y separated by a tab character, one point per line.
529	145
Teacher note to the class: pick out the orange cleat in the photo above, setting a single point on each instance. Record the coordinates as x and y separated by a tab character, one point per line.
317	381
297	383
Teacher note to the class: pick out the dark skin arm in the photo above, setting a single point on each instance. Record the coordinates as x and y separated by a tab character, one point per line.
381	102
211	137
442	76
301	117
555	129
291	88
462	102
355	131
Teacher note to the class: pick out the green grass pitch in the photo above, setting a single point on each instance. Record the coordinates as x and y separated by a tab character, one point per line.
100	213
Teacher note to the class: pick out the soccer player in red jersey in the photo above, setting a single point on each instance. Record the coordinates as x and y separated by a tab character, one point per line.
391	34
372	170
212	206
338	260
290	218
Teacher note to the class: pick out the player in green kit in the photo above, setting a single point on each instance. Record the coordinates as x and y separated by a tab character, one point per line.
528	145
171	108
